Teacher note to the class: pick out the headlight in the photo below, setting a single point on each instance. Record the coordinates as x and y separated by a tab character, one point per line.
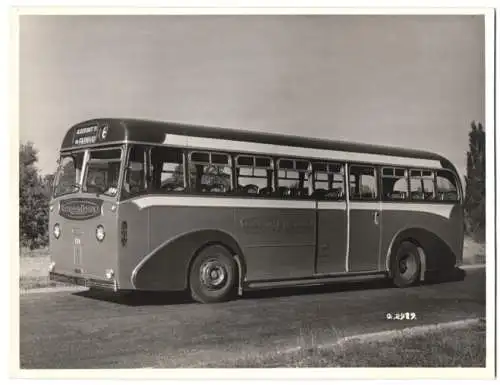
57	230
99	233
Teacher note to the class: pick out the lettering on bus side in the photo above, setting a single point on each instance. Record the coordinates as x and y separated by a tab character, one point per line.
275	225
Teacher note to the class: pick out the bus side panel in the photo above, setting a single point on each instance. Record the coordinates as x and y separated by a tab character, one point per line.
332	238
277	243
364	237
133	240
438	228
176	233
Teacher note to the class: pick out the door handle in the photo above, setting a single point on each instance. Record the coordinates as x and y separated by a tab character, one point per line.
376	217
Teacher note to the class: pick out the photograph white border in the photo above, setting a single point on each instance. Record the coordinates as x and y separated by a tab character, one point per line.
296	374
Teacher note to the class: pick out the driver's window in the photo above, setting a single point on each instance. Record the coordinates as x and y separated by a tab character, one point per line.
168	169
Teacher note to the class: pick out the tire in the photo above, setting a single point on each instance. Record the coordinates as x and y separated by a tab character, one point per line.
406	265
213	275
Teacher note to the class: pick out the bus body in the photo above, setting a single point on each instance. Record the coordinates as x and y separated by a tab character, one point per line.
153	206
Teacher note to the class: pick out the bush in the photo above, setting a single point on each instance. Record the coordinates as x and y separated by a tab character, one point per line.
34	197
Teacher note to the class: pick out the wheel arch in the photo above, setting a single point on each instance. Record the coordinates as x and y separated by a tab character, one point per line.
434	251
168	266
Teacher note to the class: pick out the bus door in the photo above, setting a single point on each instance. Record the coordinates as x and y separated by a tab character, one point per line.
331	214
364	219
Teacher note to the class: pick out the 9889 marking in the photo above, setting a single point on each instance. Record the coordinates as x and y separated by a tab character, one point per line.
401	316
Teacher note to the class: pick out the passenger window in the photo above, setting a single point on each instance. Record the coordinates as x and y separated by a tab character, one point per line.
422	185
328	181
254	175
168	169
293	178
446	186
210	172
394	183
363	183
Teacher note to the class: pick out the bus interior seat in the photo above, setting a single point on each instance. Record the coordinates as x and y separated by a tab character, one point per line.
319	193
398	195
266	191
251	189
417	195
283	191
333	194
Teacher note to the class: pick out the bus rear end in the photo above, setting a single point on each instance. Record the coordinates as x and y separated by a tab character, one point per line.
83	218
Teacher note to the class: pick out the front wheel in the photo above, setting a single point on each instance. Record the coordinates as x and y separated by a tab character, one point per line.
213	275
406	265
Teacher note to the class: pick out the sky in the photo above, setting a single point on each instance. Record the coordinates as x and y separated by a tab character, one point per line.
409	81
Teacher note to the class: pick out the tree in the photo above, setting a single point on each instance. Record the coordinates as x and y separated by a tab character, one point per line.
475	193
34	195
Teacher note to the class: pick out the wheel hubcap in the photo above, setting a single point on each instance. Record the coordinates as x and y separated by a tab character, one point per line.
408	266
213	274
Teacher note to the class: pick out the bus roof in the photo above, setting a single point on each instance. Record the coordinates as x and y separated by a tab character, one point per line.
154	132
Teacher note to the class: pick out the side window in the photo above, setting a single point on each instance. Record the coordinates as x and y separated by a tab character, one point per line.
293	178
422	185
254	175
167	166
328	181
394	183
209	172
363	183
135	181
446	186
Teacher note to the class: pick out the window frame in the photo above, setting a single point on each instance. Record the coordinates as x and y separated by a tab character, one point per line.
307	177
421	177
329	171
253	167
230	164
406	177
161	190
457	184
377	182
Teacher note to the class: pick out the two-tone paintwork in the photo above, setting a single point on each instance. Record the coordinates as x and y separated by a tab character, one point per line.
282	240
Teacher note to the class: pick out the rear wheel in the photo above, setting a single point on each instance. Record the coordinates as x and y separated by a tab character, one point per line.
406	265
213	275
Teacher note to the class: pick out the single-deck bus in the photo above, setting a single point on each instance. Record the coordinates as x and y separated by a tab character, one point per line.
158	206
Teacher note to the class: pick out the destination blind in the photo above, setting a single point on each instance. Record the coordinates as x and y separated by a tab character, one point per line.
86	135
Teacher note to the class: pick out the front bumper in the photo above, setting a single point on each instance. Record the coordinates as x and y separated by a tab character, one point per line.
84	281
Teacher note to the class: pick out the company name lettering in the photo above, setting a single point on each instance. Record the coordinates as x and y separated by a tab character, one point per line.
79	209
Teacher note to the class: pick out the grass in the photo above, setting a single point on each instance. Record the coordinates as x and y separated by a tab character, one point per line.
34	264
33	269
474	252
448	347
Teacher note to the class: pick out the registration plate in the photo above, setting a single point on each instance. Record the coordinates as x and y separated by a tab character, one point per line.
77	250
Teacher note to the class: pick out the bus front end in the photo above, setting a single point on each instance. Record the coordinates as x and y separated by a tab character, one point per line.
83	219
